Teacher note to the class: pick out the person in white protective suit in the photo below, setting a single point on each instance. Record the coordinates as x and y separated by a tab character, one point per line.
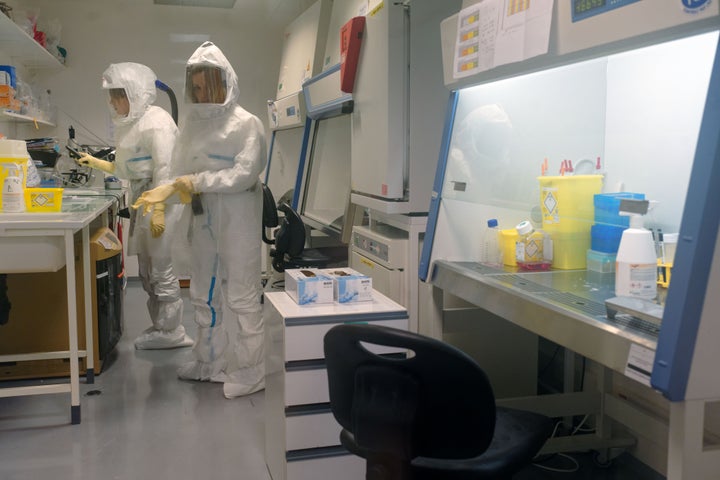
145	137
219	156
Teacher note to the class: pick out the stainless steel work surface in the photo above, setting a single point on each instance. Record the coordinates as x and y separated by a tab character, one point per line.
565	306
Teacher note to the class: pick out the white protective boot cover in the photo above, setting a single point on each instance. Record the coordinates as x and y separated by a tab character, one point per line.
209	364
166	331
248	374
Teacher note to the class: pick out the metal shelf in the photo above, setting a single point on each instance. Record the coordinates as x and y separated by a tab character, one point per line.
17	118
23	48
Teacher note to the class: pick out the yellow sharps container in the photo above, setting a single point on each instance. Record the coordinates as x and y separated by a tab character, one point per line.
568	213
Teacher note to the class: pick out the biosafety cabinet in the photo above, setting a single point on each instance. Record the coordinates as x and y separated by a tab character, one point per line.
393	132
303	48
385	174
558	108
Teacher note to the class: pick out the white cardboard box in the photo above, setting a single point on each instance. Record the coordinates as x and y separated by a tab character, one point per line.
308	286
349	285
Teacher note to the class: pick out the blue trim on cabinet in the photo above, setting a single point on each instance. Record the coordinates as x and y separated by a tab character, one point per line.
435	196
267	168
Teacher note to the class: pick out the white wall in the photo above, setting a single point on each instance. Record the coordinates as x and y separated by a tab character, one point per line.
99	32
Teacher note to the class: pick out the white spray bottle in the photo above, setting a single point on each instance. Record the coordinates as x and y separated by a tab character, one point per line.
636	263
13	195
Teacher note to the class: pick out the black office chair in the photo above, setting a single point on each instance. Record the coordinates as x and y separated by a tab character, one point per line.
429	416
289	239
269	214
290	251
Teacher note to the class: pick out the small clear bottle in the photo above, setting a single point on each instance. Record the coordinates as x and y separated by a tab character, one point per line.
529	249
491	244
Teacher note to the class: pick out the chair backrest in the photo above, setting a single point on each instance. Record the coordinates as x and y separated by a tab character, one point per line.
269	214
290	237
437	402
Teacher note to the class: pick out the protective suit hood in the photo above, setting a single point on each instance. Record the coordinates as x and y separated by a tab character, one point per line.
138	81
210	55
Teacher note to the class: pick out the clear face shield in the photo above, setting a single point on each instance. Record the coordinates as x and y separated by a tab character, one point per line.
119	103
206	84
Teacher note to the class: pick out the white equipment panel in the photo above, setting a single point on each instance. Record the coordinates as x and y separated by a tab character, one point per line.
287	112
301	59
381	253
586	29
383	244
398	96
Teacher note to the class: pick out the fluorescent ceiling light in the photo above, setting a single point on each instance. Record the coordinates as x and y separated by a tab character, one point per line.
197	3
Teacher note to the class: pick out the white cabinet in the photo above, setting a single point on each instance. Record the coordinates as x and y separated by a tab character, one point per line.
302	438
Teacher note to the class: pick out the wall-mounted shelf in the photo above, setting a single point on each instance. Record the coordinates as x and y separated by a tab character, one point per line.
23	48
17	118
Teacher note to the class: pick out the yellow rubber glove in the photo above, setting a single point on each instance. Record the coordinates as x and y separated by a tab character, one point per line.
96	163
184	184
185	188
151	197
184	197
157	220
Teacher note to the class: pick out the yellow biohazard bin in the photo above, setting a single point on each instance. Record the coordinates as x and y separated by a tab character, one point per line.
567	202
568	212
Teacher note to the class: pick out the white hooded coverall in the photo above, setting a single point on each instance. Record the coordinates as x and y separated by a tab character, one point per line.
221	148
144	142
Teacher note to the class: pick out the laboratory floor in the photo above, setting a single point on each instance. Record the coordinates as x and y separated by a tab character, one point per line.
139	422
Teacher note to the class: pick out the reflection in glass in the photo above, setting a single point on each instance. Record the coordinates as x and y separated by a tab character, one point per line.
327	186
284	160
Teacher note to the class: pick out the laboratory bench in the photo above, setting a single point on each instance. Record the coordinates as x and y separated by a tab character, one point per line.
48	242
564	306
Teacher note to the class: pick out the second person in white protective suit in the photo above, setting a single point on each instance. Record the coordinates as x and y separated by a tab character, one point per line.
219	156
144	138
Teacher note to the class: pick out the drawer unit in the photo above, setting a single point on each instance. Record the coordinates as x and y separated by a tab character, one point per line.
305	341
302	438
311	430
330	465
306	386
